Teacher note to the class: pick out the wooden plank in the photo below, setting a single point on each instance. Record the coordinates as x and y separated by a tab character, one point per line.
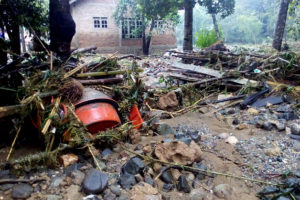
198	69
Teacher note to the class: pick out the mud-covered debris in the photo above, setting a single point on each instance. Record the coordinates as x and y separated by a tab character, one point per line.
168	101
68	159
145	191
178	152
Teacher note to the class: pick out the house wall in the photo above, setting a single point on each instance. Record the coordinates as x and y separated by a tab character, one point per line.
110	39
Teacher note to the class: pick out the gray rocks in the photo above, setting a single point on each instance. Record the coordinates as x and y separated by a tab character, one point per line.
165	129
77	177
223	191
116	190
183	185
73	192
127	180
267	126
95	182
56	181
295	129
133	166
168	187
167	176
21	191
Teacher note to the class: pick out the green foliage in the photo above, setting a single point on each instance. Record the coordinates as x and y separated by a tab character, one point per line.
223	7
205	38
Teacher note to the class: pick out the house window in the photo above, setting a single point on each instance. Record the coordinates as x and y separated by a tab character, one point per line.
100	22
131	28
159	24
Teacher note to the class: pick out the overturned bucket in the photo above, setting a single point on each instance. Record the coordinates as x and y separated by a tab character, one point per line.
97	111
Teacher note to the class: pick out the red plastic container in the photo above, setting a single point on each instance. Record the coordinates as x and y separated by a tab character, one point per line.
97	111
135	117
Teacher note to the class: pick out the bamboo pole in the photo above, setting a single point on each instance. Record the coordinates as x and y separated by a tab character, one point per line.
92	74
49	121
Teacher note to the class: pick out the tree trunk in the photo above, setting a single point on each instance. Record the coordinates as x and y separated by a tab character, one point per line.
280	25
188	25
216	26
3	46
146	44
23	39
62	28
14	37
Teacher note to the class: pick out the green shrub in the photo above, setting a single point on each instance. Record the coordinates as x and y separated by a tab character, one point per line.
205	38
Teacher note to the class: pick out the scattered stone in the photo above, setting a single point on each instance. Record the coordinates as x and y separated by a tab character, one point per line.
145	191
139	178
236	122
91	197
165	129
295	137
178	152
253	111
267	126
223	135
232	140
68	159
175	173
133	166
273	151
280	125
168	187
242	127
190	177
135	136
168	101
106	152
183	185
127	181
185	140
5	187
95	182
295	129
150	181
166	176
21	191
77	177
53	197
56	181
73	192
223	191
108	195
157	166
200	175
200	194
115	189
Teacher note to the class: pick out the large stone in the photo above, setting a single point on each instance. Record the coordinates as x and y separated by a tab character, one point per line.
183	185
21	191
295	129
223	191
95	182
168	101
178	152
133	166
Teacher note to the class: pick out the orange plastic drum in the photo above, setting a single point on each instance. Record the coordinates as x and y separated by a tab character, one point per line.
98	114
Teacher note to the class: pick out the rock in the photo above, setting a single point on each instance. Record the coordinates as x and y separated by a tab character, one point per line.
73	193
223	191
200	194
175	173
157	166
190	177
21	191
150	181
116	189
183	185
133	166
77	177
242	127
232	140
106	152
5	187
127	181
168	187
165	129
202	166
223	136
139	178
135	136
280	125
168	101
95	182
68	159
108	195
53	197
185	140
56	181
236	122
178	152
145	191
267	126
273	151
253	111
295	137
295	129
91	197
288	116
194	135
167	176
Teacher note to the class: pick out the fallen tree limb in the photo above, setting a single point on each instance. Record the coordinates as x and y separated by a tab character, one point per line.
101	81
83	50
130	56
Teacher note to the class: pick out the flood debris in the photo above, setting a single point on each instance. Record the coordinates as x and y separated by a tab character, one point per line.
129	127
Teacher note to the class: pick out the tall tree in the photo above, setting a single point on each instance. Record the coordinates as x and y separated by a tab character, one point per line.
188	6
148	13
280	25
223	7
62	28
